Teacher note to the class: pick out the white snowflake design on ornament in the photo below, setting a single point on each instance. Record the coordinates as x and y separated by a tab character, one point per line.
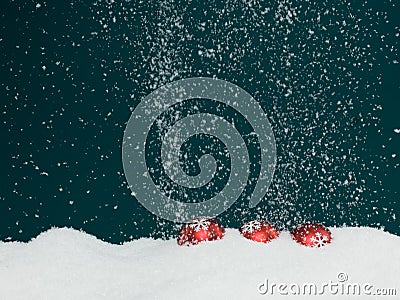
250	227
319	240
200	224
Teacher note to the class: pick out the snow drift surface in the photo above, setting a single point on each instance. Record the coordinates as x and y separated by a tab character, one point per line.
68	264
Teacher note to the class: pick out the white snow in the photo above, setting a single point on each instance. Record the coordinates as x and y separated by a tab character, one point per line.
68	264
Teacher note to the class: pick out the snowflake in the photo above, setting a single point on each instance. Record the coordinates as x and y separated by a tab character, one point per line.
200	224
250	227
319	240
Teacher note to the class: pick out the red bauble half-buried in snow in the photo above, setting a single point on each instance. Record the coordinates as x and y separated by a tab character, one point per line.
259	231
199	230
312	235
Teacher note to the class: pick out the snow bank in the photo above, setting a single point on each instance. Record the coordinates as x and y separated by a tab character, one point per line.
68	264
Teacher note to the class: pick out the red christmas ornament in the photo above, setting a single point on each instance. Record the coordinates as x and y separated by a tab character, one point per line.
312	235
259	231
199	230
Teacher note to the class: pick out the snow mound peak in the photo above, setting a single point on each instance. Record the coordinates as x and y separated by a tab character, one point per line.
64	263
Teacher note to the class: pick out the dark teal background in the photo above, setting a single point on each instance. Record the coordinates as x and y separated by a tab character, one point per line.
71	75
